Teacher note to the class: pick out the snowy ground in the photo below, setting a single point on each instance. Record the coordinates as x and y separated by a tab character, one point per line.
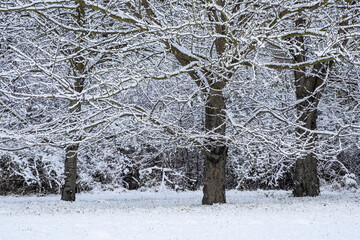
171	215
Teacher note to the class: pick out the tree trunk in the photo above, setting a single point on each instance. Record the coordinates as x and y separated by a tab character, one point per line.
308	94
69	188
215	160
214	176
306	181
71	151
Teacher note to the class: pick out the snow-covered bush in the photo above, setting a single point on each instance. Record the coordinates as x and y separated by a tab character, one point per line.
261	171
106	168
179	169
351	160
30	171
342	170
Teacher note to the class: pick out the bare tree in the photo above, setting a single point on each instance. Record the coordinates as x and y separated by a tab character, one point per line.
199	53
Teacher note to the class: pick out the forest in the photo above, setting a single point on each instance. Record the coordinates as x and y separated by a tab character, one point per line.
186	95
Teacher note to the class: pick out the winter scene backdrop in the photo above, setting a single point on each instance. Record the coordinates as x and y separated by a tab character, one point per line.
191	119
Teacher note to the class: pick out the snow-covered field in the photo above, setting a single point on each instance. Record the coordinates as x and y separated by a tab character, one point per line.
172	215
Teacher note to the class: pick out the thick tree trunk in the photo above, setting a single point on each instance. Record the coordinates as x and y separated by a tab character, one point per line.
308	94
215	160
214	177
69	188
306	181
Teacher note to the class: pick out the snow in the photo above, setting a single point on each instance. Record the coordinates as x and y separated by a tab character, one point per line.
180	215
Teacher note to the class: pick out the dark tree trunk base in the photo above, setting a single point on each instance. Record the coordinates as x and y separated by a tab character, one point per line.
68	190
68	194
306	181
214	181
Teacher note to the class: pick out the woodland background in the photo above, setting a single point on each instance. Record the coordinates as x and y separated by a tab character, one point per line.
124	89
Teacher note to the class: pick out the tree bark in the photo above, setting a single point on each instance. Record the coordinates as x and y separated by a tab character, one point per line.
308	94
306	181
68	190
71	151
215	157
214	176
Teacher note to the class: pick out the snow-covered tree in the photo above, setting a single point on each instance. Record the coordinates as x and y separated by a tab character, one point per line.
244	78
